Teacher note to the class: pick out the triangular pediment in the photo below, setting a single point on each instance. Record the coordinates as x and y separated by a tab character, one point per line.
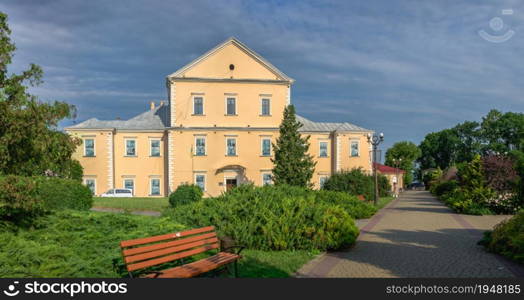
231	60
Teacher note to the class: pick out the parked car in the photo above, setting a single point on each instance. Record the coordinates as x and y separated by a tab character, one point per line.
417	186
118	193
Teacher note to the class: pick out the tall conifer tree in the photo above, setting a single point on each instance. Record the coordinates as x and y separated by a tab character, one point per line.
292	163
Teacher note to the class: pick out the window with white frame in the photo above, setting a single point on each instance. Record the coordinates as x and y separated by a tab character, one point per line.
155	147
155	186
89	147
130	147
231	106
354	148
200	181
198	105
266	147
322	180
200	145
265	109
323	149
267	179
91	184
231	146
129	184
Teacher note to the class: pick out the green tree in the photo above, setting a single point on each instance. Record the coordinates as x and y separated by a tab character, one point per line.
406	153
292	163
30	143
502	132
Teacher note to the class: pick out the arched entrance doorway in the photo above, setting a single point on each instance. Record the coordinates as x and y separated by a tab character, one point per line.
234	175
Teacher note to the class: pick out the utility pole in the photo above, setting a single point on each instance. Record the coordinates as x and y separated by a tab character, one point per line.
375	140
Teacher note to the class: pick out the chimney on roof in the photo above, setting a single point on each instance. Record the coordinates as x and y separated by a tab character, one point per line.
152	105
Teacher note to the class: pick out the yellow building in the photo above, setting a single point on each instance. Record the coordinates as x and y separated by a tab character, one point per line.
215	130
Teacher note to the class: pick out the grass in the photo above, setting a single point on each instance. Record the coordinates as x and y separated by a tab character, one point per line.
383	201
266	264
84	244
132	203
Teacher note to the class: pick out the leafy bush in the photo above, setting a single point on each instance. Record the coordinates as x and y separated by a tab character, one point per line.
60	193
442	188
507	238
185	194
23	199
356	182
384	188
19	201
431	177
272	218
461	202
355	208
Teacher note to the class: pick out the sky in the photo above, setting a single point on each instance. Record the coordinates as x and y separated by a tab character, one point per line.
404	68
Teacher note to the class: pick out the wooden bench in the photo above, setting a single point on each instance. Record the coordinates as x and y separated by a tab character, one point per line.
140	254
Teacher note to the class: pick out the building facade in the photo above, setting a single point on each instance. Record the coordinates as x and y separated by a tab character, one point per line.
215	130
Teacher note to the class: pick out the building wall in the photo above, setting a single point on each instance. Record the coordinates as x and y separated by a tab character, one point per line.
249	150
142	167
182	166
217	66
348	162
248	104
324	165
100	166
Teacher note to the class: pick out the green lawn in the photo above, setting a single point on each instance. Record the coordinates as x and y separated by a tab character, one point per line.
134	203
84	244
383	201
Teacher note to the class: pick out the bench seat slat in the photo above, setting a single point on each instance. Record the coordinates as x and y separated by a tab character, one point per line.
143	249
170	250
168	258
163	237
198	267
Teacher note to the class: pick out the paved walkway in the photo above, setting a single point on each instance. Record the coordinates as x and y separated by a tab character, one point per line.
416	236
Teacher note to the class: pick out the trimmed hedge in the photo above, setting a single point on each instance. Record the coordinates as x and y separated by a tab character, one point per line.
507	238
355	182
60	193
272	218
22	199
185	194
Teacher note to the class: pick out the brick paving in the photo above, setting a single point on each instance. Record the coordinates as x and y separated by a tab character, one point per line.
416	236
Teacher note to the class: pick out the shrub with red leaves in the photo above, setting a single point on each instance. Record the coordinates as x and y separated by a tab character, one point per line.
500	173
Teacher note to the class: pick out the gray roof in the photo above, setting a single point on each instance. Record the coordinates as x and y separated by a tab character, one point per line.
158	119
310	126
155	119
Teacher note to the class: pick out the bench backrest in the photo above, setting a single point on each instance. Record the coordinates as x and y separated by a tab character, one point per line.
156	250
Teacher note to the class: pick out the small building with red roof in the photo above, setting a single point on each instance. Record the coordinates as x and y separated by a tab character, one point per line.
394	175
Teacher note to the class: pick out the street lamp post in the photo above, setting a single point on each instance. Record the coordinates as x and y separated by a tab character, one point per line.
375	140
